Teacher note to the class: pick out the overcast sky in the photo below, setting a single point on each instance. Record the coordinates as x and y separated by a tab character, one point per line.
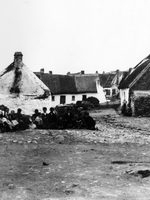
75	35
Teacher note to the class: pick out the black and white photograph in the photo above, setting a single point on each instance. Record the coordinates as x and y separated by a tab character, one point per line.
74	100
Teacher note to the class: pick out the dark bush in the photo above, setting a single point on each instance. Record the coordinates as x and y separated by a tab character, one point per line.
142	106
79	103
93	100
87	105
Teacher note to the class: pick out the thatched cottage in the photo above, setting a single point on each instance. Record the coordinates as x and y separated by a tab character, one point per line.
21	88
66	89
135	88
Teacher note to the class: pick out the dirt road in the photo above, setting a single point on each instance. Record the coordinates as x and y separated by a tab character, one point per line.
111	164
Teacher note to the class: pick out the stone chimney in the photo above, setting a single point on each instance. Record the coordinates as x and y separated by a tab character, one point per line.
17	54
117	71
42	71
82	72
68	73
96	72
50	72
18	57
117	74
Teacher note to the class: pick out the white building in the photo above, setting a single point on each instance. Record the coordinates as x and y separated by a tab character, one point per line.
21	88
66	89
110	82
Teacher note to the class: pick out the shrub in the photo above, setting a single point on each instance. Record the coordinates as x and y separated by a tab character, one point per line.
93	100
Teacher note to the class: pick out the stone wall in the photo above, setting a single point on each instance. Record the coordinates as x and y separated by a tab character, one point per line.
142	106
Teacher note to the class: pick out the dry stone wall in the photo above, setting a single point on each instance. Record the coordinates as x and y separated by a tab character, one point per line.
142	106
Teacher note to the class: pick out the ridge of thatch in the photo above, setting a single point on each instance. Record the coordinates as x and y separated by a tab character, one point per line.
135	74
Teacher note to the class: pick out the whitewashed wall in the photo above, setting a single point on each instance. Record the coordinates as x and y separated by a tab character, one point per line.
29	104
141	93
78	97
100	95
124	95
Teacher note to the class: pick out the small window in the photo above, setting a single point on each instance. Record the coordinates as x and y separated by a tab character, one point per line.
113	91
107	92
53	98
73	98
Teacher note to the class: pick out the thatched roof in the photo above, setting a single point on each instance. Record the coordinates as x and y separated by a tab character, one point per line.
66	84
106	80
86	83
19	80
136	73
59	84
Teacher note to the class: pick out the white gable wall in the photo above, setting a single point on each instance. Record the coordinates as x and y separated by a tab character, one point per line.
100	95
124	95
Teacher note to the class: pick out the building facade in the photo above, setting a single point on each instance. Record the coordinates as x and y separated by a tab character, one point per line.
67	89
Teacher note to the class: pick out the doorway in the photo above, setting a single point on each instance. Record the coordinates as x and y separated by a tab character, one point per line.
62	99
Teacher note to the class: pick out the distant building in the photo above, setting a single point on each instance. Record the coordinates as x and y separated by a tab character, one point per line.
110	82
66	89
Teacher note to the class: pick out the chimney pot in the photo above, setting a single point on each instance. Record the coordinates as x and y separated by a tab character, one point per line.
42	70
82	72
50	72
16	54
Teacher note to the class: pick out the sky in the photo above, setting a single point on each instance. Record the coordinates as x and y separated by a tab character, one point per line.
73	35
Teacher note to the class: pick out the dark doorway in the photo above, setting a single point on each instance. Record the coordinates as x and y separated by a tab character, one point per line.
83	97
62	99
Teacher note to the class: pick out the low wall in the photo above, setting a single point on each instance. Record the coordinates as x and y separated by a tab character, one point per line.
142	106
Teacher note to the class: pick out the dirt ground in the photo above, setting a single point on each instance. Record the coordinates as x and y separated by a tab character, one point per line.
112	163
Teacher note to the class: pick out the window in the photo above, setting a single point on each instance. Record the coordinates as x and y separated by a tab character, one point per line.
107	92
73	98
83	97
53	98
113	91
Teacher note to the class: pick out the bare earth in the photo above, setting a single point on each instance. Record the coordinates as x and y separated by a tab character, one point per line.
112	163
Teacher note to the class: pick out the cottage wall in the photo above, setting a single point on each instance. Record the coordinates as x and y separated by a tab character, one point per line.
140	103
124	95
78	97
27	104
100	95
68	97
142	106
